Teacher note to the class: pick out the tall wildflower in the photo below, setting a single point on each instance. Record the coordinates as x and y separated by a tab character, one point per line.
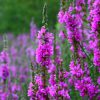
33	30
73	20
95	24
4	60
44	53
94	18
4	68
45	48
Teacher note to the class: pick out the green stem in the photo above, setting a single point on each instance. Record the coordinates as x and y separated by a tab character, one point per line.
45	17
5	42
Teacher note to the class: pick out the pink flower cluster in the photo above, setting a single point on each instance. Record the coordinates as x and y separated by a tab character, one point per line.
45	49
58	80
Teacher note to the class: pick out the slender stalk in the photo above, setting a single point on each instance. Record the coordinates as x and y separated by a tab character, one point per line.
5	48
45	17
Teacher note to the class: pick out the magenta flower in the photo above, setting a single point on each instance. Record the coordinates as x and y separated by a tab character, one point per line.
96	58
38	80
65	94
43	54
61	16
33	30
4	96
98	80
4	72
79	2
52	90
72	26
52	79
76	70
45	37
52	68
62	35
15	88
86	87
4	57
14	96
30	90
45	48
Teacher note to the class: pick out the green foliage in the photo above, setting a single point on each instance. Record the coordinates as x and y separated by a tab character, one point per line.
16	15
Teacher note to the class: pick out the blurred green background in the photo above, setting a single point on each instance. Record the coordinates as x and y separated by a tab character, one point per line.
16	15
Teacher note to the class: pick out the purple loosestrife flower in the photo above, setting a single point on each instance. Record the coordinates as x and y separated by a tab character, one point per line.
33	30
3	96
95	13
30	90
45	48
38	80
95	24
86	69
63	85
52	90
22	40
62	35
79	2
78	8
66	74
96	58
86	87
14	52
64	93
58	59
15	88
4	72
41	93
14	96
30	53
81	53
71	81
61	16
76	70
89	4
52	68
71	8
45	37
52	79
43	54
98	80
72	26
92	90
58	50
4	57
13	71
63	90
